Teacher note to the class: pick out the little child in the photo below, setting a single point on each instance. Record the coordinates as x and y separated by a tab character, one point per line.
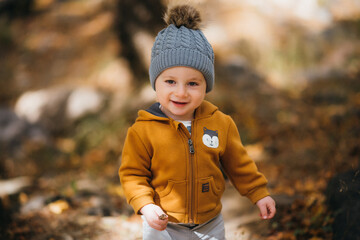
170	169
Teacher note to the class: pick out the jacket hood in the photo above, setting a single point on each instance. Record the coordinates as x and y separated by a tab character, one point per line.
206	109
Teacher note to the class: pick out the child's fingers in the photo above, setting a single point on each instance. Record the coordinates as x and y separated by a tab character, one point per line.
267	208
161	219
160	225
263	211
272	210
152	214
156	225
160	213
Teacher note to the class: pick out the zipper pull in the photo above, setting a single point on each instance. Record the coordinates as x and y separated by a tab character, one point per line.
191	146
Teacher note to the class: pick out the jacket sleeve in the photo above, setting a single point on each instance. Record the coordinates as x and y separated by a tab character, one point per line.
134	172
241	169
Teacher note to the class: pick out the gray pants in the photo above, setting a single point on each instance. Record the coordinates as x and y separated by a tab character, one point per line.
211	230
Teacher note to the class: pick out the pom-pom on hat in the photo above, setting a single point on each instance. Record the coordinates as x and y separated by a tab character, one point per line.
182	43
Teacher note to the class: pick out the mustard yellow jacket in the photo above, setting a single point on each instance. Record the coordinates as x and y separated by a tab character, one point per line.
163	164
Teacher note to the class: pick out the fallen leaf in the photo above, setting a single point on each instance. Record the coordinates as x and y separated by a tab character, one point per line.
58	206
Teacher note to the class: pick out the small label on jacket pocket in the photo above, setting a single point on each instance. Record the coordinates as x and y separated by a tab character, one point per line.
205	187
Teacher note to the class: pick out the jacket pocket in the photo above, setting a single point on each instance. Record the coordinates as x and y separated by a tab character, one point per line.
209	195
172	198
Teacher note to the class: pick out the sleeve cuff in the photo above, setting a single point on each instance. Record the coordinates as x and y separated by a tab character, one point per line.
139	202
257	194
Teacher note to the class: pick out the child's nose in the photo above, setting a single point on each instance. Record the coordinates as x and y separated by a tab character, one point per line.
181	91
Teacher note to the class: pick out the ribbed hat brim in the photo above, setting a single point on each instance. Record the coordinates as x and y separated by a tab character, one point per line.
182	57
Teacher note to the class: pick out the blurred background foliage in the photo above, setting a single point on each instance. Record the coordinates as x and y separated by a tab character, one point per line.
74	74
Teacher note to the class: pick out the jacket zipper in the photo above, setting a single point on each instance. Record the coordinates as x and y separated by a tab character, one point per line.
192	151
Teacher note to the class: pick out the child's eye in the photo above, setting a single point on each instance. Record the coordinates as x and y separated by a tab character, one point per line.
170	81
193	84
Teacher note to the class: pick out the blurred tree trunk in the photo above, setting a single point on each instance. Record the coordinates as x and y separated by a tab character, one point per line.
133	16
9	11
15	8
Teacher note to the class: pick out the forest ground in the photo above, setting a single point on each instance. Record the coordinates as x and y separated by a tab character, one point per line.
306	141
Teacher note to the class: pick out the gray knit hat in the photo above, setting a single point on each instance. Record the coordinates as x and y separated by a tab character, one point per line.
182	43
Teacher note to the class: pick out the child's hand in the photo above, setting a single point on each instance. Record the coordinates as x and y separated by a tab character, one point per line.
155	216
267	208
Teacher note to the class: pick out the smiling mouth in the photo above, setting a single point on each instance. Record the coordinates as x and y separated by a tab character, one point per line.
179	103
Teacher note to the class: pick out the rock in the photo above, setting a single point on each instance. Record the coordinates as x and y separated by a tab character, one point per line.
11	126
14	130
35	203
83	101
12	186
46	107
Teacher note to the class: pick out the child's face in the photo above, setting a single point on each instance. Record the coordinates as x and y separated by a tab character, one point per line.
180	90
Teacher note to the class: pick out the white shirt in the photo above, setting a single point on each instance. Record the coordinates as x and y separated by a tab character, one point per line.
187	124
